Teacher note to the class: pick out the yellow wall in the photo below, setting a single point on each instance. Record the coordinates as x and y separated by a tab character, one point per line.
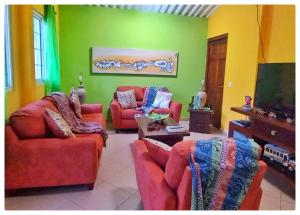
279	38
244	50
25	89
241	59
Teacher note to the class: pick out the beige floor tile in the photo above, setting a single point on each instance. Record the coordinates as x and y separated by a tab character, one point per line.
287	205
36	202
70	206
133	203
269	203
103	197
125	180
270	190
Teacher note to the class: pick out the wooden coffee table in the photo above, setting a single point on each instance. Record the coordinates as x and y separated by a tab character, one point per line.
161	135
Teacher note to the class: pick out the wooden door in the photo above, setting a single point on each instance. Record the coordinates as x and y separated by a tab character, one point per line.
214	78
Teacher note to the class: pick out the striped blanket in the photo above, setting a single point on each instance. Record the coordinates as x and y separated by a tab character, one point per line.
222	171
149	97
76	124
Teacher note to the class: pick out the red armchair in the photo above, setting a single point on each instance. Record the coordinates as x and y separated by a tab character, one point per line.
169	187
124	118
34	158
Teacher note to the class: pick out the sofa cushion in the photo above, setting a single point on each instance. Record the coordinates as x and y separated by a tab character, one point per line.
29	122
127	99
129	113
75	103
162	99
139	91
57	124
158	151
178	160
94	117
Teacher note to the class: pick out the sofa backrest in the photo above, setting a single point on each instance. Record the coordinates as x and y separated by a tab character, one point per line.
178	160
139	91
28	122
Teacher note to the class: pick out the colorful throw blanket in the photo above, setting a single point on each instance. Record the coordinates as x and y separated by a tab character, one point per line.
222	171
76	124
149	97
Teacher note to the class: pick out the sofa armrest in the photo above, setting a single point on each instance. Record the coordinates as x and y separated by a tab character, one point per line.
176	110
91	108
50	161
184	190
115	109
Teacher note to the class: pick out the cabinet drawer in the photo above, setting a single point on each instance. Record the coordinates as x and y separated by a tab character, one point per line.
274	134
199	127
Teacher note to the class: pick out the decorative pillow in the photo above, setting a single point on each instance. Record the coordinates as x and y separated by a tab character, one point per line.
127	99
74	100
57	124
162	99
158	151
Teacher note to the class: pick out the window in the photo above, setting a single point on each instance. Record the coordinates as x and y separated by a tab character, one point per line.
39	50
8	63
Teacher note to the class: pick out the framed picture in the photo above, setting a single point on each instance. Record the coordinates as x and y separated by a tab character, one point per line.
134	61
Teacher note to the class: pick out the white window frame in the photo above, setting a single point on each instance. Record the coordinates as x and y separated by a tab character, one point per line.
37	15
8	51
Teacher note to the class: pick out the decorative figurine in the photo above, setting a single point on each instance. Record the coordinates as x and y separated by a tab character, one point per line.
247	105
80	89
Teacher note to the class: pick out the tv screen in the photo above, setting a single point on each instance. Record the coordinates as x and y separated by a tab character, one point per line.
275	88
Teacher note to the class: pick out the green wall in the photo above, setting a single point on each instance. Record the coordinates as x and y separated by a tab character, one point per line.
83	27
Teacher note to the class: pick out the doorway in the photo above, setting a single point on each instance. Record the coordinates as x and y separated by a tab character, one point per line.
214	77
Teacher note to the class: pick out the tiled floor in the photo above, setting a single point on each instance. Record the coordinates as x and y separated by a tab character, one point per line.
116	186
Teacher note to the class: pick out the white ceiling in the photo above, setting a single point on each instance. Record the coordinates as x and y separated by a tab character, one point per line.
183	10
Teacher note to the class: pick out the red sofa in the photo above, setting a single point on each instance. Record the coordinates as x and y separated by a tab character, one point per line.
169	187
34	158
124	118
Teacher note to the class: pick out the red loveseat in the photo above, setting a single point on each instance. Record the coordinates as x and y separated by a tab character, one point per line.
124	118
34	158
165	183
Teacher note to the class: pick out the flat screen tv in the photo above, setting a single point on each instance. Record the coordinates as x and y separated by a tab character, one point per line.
275	88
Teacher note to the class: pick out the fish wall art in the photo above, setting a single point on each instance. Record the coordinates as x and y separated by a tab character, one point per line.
134	61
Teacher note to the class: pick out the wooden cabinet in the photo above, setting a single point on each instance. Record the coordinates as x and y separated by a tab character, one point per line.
199	120
267	129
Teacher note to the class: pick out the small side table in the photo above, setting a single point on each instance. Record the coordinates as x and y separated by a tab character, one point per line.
199	120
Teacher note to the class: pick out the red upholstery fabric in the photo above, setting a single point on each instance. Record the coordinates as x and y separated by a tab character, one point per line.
154	191
139	91
29	122
139	103
125	120
91	108
157	153
149	175
175	108
129	113
43	161
115	110
178	160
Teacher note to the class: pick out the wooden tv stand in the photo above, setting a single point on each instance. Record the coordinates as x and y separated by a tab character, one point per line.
267	129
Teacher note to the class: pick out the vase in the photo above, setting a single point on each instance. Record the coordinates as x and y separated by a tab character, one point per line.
81	93
202	98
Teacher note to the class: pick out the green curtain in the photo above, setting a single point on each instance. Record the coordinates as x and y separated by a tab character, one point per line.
52	58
